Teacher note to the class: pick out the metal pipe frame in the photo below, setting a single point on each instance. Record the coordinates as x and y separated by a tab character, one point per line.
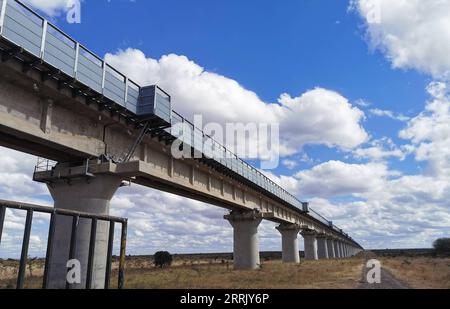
76	216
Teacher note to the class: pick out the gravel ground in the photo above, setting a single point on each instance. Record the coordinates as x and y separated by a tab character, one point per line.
388	280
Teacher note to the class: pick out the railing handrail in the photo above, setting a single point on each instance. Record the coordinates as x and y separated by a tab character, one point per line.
57	211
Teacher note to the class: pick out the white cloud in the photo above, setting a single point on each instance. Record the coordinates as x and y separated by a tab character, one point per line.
413	34
290	164
16	170
323	117
50	7
336	178
388	114
380	207
319	116
381	149
363	103
429	132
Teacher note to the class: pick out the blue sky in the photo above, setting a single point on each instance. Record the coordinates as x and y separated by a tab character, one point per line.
267	47
365	100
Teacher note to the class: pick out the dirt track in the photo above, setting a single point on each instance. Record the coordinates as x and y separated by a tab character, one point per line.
388	280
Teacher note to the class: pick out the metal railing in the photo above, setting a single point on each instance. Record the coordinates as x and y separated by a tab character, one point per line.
76	216
27	29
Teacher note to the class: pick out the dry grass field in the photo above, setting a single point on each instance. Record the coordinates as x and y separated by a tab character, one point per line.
211	274
420	272
214	273
329	274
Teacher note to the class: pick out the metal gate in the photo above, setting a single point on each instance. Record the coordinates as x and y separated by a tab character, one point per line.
76	216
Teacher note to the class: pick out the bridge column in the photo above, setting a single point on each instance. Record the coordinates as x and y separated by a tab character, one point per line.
289	240
322	247
91	196
330	246
341	249
245	239
337	253
310	245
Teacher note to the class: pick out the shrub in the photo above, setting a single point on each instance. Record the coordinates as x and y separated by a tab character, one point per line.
162	259
442	246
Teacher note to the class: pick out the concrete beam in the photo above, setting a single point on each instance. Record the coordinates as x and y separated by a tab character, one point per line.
289	239
245	239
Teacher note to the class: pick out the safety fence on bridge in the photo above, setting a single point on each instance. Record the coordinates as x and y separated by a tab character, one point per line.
31	209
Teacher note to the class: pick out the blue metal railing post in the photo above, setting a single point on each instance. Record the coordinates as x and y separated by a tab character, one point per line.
77	55
2	15
44	38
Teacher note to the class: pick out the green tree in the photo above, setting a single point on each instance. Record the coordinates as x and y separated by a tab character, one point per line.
442	246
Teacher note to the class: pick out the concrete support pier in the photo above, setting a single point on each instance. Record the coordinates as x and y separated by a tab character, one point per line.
89	195
245	239
310	245
341	249
337	252
330	247
289	239
322	247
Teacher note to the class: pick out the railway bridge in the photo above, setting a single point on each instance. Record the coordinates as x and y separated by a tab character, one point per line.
60	101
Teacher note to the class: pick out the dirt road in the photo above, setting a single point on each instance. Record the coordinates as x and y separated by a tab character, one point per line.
388	280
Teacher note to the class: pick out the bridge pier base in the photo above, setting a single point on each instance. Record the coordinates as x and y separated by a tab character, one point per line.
310	245
322	248
337	252
245	239
289	240
88	195
341	249
330	247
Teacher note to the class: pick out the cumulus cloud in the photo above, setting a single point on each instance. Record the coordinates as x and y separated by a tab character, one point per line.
323	117
382	207
413	34
50	7
319	116
16	182
429	132
381	149
406	209
336	178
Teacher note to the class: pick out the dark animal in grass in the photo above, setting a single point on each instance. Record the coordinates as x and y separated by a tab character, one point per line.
162	259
